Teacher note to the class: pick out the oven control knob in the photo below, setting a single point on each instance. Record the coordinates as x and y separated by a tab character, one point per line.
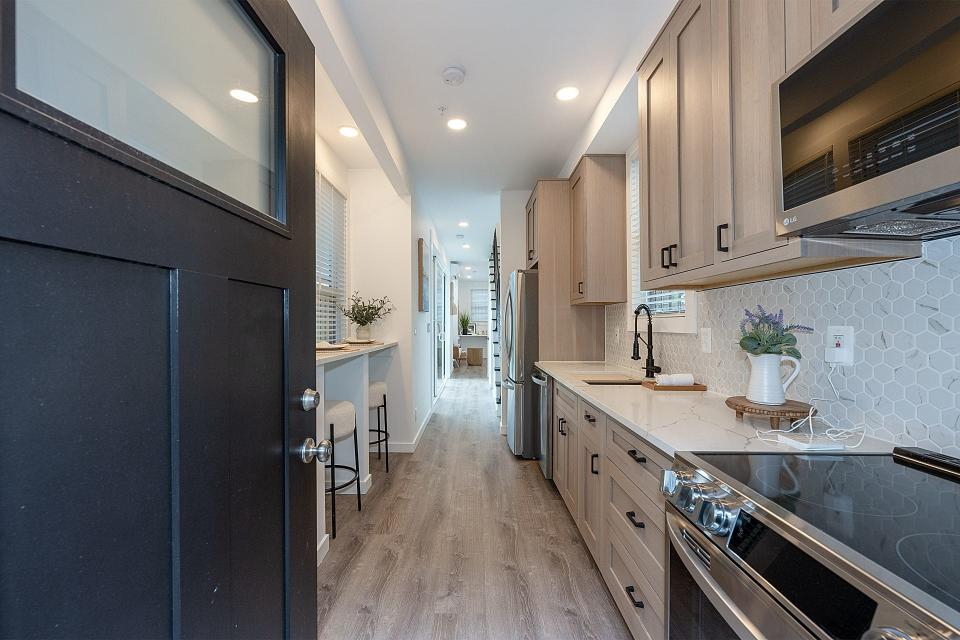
717	516
688	497
670	481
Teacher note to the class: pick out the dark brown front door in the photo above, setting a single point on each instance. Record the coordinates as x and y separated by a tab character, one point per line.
154	341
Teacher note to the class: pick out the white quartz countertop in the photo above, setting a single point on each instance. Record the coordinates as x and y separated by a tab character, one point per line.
675	420
352	351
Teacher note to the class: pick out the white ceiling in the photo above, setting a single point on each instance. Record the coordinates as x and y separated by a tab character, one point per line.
516	55
331	114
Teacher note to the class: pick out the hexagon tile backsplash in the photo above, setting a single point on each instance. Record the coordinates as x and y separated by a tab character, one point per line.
904	385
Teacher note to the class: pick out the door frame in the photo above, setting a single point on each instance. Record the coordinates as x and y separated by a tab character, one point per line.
440	308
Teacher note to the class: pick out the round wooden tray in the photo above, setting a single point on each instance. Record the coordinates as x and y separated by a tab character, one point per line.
791	410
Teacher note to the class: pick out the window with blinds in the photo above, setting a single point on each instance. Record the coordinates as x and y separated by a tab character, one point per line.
479	301
660	302
331	261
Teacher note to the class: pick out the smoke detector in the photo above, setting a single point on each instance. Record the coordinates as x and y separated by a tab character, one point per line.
453	76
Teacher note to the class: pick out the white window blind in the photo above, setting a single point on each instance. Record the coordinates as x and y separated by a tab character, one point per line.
331	261
479	301
660	302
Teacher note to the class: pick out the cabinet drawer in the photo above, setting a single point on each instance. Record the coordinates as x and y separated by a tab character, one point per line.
628	586
591	422
638	461
640	524
563	395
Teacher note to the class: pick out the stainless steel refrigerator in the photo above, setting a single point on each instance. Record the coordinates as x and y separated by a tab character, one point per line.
520	347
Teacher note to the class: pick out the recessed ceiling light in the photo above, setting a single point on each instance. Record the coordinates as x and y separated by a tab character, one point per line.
457	124
465	246
469	277
468	268
567	93
243	95
349	132
463	225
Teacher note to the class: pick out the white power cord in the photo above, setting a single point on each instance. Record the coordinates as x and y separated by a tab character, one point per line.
834	433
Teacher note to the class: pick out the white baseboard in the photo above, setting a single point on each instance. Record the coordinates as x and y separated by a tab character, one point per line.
323	546
365	484
410	447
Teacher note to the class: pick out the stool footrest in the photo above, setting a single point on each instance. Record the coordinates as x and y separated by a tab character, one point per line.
344	485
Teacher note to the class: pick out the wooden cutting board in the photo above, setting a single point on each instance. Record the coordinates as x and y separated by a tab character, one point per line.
652	384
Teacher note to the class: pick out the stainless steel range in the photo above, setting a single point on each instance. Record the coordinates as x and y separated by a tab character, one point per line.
813	546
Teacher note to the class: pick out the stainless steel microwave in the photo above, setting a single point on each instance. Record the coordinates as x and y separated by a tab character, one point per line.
869	129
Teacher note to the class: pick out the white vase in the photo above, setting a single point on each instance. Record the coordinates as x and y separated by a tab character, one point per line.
363	332
766	386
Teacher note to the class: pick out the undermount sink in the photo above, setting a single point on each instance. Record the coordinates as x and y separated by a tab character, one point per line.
611	379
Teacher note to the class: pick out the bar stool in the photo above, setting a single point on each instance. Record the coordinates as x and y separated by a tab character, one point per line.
378	401
342	420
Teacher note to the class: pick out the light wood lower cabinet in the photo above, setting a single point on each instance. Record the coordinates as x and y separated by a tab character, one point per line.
609	479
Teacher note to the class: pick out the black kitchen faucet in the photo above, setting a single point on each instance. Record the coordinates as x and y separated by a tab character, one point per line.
650	367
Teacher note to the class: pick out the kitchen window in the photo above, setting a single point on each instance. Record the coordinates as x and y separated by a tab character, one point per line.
675	310
331	261
479	301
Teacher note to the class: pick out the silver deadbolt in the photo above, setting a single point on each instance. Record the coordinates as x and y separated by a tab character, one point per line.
310	399
311	450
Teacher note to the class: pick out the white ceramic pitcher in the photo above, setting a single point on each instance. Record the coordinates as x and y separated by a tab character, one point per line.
766	385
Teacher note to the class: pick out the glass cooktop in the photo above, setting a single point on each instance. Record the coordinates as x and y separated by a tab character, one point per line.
902	518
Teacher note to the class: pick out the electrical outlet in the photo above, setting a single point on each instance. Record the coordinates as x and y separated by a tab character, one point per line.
706	339
839	347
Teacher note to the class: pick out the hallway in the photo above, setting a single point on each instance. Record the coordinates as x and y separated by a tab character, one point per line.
462	540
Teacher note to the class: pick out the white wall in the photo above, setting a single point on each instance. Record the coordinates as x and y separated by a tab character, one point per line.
380	224
423	345
463	299
332	168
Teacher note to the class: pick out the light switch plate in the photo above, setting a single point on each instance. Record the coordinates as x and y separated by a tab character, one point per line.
706	339
839	346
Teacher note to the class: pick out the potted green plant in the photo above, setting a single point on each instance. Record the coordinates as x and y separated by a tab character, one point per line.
769	342
464	320
364	313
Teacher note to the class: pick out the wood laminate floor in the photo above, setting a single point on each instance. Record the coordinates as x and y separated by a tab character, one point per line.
461	540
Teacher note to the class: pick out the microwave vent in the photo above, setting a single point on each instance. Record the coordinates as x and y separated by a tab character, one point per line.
924	131
904	228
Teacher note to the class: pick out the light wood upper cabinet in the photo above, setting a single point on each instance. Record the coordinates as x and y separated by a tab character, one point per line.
694	67
532	230
827	17
658	164
598	231
754	52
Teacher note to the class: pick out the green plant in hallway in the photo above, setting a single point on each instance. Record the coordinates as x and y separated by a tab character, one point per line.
364	313
464	319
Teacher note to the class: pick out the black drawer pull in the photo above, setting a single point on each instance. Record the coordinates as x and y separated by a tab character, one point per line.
593	468
663	258
670	249
636	458
580	287
560	424
632	517
720	228
637	603
589	418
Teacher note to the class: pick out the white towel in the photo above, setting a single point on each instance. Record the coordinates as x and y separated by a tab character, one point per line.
675	379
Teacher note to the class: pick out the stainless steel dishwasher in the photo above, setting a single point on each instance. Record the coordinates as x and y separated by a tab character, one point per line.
544	409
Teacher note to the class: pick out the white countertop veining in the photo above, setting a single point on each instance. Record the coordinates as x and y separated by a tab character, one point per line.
352	351
675	420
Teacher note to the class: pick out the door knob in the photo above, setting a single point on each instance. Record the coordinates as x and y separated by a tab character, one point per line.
310	399
311	450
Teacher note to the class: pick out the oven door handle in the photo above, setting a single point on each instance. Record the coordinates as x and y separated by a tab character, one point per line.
701	559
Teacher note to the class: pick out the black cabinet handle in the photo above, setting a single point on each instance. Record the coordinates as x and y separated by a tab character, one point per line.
589	418
670	249
663	258
636	458
593	459
720	228
560	423
637	603
632	517
580	288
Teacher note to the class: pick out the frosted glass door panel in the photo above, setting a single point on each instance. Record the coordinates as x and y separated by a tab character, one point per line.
191	83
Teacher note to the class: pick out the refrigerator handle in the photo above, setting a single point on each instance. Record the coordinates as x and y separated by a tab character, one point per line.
508	384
